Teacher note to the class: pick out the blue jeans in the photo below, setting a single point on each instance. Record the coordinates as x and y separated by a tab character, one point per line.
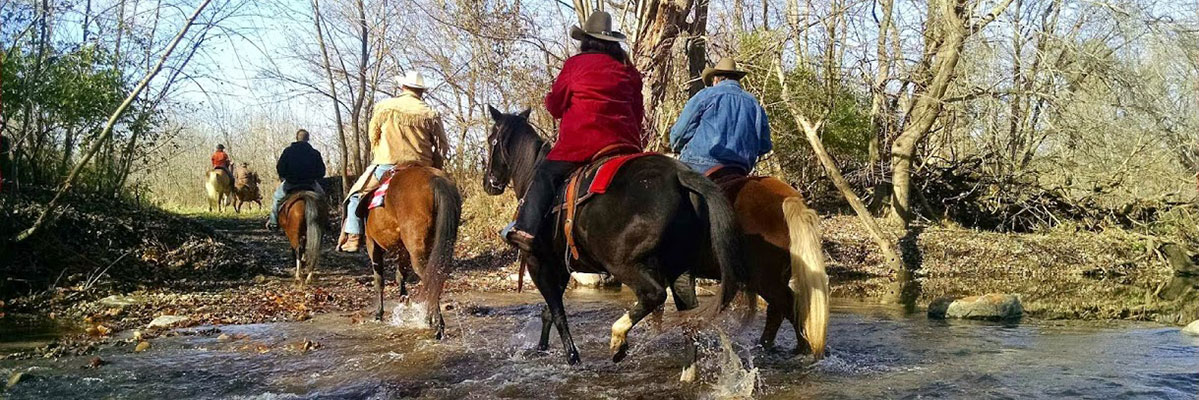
353	223
699	166
281	193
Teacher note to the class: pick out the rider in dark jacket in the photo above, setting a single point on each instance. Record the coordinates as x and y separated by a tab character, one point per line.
299	167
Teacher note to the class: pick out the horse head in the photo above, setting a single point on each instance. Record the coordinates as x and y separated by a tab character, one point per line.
507	150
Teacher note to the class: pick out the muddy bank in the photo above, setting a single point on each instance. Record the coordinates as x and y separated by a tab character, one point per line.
1058	275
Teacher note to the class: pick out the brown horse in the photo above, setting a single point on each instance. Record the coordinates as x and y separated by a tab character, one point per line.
420	215
218	186
782	242
246	189
302	217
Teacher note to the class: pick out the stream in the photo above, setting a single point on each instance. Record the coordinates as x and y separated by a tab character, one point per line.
875	351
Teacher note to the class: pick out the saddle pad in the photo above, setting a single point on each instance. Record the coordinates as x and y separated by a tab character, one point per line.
607	171
380	193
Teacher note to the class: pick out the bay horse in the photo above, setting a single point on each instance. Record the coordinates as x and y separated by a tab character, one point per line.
302	217
246	189
659	225
420	215
782	242
218	186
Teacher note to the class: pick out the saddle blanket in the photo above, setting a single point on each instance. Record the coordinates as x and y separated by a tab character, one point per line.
380	193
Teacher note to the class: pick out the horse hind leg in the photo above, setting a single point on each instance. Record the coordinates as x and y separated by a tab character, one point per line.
650	294
685	299
376	254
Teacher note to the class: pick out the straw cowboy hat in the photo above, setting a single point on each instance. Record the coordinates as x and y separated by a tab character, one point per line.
413	79
599	26
727	67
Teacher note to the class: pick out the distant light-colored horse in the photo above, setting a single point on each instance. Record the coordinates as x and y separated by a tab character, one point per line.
246	189
218	185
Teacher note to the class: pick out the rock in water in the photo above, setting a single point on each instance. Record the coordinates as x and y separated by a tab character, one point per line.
1192	328
167	322
14	379
143	346
986	307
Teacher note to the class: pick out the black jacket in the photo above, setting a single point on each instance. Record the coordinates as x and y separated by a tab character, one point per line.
300	164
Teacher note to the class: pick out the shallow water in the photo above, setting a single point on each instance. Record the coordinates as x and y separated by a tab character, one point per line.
875	352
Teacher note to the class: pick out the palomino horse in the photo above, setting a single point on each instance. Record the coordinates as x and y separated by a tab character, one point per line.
645	230
782	242
302	217
420	215
218	185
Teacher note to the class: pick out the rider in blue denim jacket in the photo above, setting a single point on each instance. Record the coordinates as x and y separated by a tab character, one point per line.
722	124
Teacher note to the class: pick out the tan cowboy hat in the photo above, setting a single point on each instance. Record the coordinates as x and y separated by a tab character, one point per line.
413	79
726	66
599	26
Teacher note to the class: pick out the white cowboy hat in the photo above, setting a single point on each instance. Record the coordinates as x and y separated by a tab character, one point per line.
413	79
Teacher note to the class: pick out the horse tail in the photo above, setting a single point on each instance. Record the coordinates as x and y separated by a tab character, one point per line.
314	220
447	206
210	189
809	282
725	237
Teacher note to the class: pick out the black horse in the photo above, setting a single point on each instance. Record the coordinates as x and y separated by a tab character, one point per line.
658	225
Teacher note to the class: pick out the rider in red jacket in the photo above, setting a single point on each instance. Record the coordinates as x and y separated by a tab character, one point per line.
598	97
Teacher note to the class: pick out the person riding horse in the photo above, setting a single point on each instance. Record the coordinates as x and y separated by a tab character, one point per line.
220	160
722	125
299	167
404	131
597	95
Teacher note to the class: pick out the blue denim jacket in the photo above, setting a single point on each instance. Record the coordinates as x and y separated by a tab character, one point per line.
722	124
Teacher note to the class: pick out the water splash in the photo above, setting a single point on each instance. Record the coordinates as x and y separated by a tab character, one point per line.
735	379
409	315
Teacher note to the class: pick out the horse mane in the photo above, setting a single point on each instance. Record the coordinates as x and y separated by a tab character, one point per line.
525	147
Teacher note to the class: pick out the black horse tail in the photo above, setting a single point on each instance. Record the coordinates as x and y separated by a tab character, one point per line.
725	237
315	220
447	207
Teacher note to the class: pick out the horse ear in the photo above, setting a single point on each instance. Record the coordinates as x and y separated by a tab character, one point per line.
496	115
525	114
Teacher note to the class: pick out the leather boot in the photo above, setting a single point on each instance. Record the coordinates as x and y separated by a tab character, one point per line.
353	242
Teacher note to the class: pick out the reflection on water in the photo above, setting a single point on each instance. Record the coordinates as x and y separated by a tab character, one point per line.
875	352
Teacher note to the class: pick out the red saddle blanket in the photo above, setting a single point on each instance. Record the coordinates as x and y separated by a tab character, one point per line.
378	195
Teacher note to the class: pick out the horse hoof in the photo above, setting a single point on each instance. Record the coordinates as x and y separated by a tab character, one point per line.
620	352
572	358
543	346
688	375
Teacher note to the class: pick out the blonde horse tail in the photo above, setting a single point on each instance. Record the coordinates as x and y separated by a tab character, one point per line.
210	190
809	281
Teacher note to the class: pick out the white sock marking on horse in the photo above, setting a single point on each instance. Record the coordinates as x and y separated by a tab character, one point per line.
619	330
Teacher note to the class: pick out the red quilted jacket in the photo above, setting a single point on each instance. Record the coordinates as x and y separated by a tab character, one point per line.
599	102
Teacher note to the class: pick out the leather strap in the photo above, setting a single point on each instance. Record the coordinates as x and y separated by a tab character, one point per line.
572	192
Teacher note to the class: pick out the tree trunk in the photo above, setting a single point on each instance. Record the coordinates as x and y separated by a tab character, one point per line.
360	99
660	25
697	48
878	88
341	131
949	32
